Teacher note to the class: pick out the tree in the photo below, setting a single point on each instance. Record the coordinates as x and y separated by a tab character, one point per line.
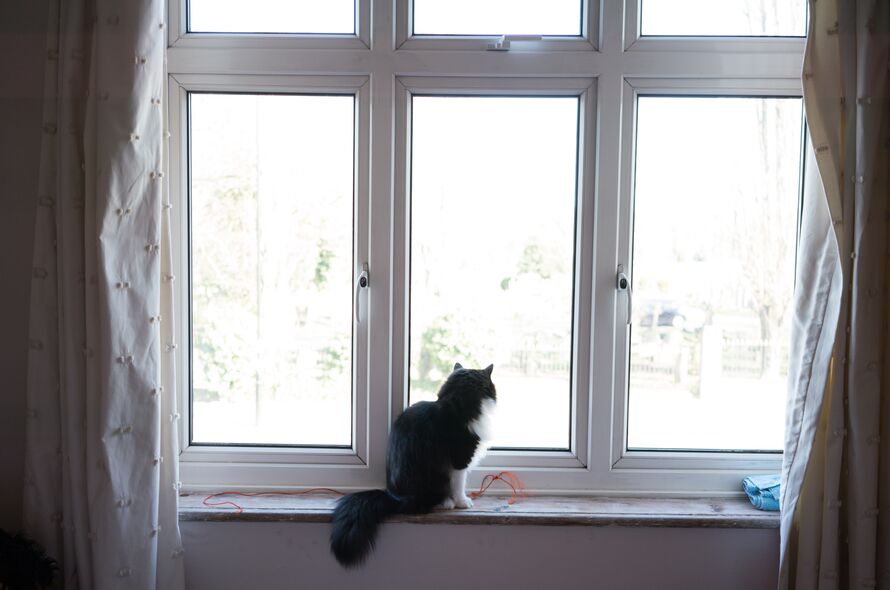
439	350
763	229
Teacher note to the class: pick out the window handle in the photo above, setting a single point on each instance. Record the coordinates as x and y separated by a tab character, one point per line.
361	282
502	43
623	285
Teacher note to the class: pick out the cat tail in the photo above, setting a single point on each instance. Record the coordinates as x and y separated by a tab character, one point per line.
354	525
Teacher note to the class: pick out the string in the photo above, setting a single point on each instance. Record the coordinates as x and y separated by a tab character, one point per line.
207	500
509	478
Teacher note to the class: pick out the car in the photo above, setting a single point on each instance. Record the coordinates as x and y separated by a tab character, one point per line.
670	314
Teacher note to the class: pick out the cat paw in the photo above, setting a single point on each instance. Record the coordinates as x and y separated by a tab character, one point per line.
447	504
463	502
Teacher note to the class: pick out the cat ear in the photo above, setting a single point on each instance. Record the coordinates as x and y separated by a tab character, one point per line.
457	366
487	370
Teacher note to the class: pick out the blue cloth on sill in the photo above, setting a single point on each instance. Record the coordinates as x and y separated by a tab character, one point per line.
763	490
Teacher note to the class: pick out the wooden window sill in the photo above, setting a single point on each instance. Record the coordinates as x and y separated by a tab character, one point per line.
534	510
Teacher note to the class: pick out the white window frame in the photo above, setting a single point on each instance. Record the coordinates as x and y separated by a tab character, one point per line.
384	65
405	39
207	466
699	466
179	36
552	462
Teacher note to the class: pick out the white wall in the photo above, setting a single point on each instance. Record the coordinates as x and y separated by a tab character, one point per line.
220	556
223	556
22	57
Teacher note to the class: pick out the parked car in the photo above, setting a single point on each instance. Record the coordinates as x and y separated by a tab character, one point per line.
667	313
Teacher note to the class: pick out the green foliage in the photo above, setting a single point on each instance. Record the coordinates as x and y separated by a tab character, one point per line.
224	298
532	262
323	266
439	350
541	261
331	362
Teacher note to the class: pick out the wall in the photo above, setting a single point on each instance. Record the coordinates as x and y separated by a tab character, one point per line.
223	556
22	57
220	556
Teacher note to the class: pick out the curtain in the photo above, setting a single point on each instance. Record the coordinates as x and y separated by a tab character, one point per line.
835	524
101	449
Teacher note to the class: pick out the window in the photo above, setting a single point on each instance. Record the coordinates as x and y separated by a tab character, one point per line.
355	213
497	17
272	16
271	268
489	245
715	219
726	18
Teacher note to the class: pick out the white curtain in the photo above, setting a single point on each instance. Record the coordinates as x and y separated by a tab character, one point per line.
101	453
835	528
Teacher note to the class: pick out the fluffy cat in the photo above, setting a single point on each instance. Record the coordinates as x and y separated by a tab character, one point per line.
431	446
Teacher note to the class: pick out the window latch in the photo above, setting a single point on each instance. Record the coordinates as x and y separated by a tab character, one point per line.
623	285
361	283
502	43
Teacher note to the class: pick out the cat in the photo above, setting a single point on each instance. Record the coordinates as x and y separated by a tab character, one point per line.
431	447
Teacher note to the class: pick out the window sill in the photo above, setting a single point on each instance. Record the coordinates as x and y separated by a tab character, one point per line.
536	510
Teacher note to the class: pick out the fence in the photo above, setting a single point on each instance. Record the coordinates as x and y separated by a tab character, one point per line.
683	361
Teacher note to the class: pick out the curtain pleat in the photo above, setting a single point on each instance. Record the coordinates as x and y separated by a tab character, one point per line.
836	475
101	453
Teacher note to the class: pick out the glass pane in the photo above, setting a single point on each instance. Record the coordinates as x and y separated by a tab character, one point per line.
783	18
715	218
492	232
272	16
497	17
272	200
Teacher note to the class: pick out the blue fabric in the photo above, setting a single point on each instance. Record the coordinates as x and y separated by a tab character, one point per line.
763	490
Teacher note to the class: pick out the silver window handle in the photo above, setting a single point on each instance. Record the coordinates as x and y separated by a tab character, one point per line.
623	285
502	43
361	282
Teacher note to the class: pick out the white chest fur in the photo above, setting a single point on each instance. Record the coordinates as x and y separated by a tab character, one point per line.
483	427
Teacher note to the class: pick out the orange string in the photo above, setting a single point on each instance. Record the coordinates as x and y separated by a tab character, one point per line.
509	478
207	500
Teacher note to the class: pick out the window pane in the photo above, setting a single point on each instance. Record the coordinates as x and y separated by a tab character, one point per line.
492	232
727	17
715	218
272	202
497	17
272	16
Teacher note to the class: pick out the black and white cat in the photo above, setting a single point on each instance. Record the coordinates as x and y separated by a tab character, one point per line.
431	447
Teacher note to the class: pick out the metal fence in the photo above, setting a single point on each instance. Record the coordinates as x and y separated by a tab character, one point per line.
685	362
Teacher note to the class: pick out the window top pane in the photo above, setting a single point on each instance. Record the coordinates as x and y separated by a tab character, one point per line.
272	16
754	18
497	17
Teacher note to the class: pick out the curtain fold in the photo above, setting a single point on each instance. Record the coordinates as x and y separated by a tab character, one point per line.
101	449
835	528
